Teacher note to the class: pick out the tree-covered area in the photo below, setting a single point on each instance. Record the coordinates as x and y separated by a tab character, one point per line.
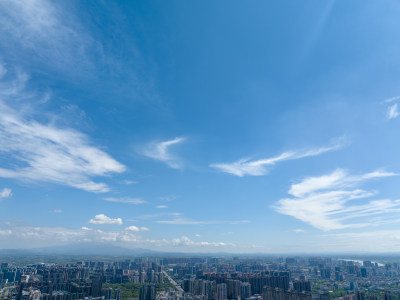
131	290
337	293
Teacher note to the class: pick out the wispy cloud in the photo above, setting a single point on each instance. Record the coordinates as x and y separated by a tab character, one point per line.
57	211
260	167
239	222
392	111
126	200
161	206
42	31
392	99
157	215
161	151
184	221
180	220
323	202
5	193
40	151
169	198
185	241
102	219
130	182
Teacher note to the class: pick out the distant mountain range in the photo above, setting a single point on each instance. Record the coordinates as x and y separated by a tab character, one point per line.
99	249
81	249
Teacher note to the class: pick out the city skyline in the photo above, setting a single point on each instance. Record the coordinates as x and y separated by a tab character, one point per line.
220	127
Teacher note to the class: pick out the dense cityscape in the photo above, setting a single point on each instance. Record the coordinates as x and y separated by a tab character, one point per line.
203	278
199	150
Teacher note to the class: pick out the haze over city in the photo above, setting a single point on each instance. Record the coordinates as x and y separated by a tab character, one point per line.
200	126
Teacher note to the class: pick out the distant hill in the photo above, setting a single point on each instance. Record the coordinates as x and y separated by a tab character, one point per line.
100	249
81	249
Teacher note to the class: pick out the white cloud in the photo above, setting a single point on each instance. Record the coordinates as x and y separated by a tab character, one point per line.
161	151
103	219
42	151
135	228
5	193
260	167
337	179
36	236
323	202
125	200
57	211
185	241
393	111
299	230
161	206
132	228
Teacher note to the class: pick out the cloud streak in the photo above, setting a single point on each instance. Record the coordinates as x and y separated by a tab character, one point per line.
184	221
161	151
392	111
261	167
40	151
323	202
126	200
180	220
185	241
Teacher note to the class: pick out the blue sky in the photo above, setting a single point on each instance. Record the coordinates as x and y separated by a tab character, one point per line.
203	126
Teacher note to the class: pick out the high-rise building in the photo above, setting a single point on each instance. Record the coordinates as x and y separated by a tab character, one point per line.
302	286
107	293
360	295
364	272
233	289
147	292
245	290
117	294
96	287
387	295
209	289
222	293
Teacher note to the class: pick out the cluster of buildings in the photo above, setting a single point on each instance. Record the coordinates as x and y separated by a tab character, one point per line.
82	280
290	278
205	278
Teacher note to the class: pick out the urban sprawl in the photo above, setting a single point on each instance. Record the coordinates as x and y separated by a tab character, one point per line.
203	278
